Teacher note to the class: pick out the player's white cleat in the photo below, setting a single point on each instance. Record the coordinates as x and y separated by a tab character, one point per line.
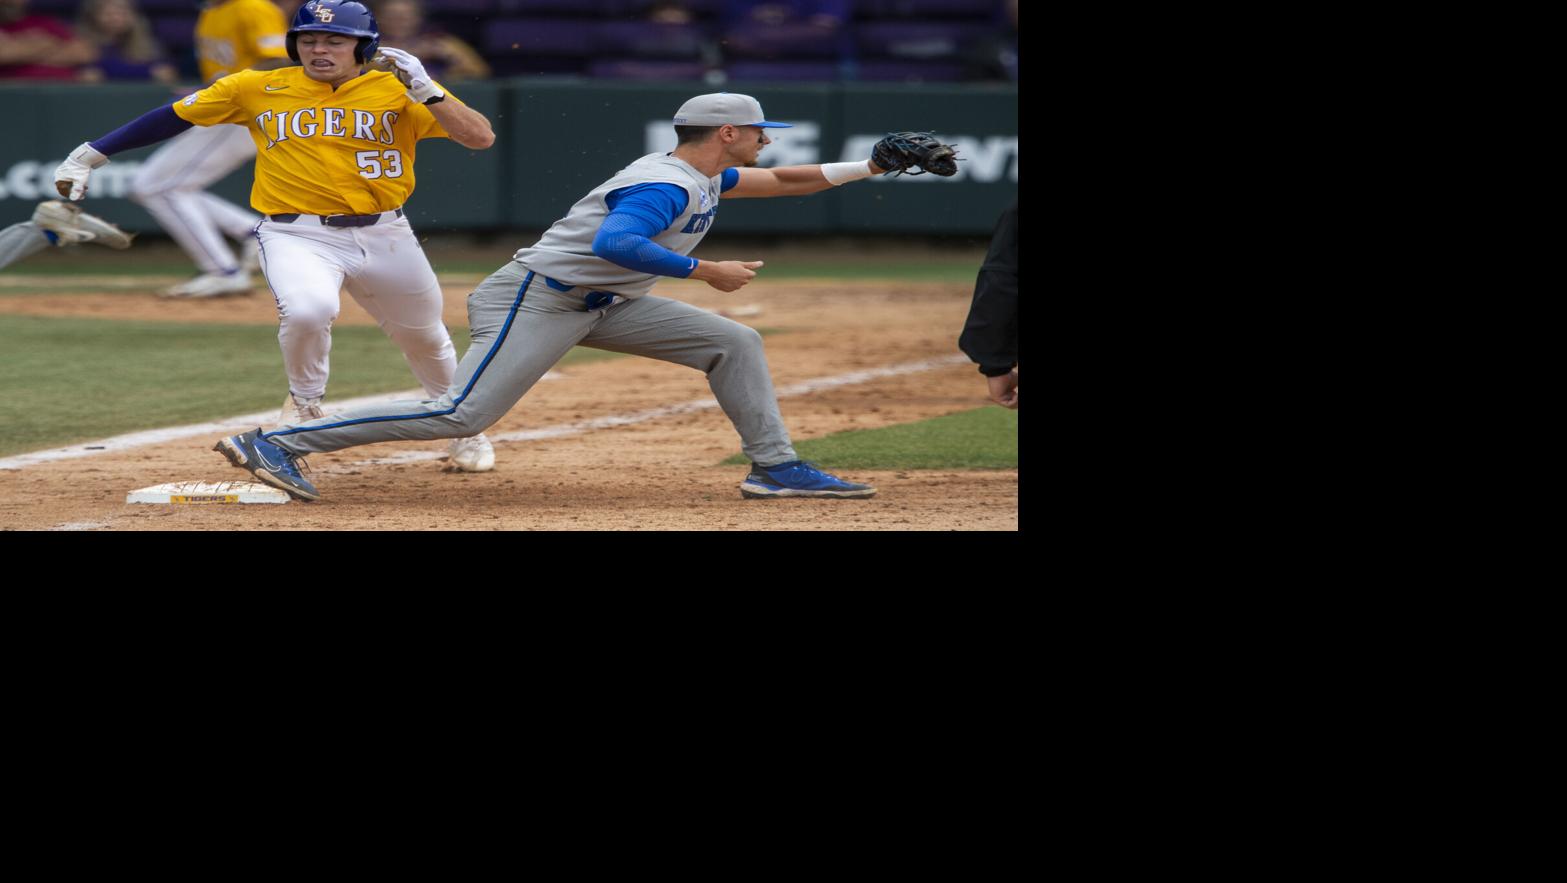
472	454
213	285
73	225
297	410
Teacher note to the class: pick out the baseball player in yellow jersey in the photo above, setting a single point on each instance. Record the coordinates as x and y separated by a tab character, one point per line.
231	35
334	164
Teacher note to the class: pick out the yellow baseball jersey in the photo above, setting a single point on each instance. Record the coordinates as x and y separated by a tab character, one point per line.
233	36
321	151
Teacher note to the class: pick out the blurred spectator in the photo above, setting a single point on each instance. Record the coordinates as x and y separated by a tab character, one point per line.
670	12
446	57
821	13
126	48
38	47
994	57
786	28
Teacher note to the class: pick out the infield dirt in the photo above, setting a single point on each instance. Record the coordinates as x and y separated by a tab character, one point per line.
658	474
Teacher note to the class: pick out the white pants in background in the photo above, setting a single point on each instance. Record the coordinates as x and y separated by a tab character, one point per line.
172	185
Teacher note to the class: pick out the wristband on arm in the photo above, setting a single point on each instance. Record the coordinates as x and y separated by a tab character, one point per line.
843	172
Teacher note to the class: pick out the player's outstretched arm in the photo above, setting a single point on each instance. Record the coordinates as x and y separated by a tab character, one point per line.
899	152
158	124
797	180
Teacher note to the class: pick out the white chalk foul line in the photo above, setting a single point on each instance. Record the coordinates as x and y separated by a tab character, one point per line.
174	433
80	525
568	429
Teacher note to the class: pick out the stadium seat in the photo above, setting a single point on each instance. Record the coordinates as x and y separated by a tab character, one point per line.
783	71
979	10
701	9
539	46
511	37
911	40
459	7
780	42
638	69
176	33
637	39
557	8
911	72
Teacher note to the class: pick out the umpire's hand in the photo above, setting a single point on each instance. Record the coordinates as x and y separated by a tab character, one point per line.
1003	389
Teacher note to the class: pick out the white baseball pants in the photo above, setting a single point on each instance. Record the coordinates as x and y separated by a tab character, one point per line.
308	264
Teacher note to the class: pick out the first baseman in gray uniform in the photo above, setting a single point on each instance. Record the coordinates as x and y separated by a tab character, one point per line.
586	282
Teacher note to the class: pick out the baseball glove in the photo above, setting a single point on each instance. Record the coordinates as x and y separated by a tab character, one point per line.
901	151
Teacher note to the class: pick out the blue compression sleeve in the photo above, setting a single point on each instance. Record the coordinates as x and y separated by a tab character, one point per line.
158	124
657	204
636	215
731	178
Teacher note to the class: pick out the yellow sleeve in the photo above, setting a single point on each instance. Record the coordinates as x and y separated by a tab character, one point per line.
425	123
218	103
265	29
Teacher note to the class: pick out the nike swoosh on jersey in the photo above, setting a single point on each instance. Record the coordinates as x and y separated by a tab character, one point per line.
274	88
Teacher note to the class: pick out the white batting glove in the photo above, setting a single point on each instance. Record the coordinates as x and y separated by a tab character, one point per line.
410	72
70	179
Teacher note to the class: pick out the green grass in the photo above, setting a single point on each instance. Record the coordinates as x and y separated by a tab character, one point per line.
80	286
72	380
176	268
985	438
57	270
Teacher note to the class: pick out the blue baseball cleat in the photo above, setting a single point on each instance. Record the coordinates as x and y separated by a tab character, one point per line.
798	479
267	462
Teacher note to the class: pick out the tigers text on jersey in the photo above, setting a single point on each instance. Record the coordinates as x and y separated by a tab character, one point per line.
565	251
320	151
234	35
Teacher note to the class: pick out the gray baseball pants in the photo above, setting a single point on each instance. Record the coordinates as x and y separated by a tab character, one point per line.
521	328
20	240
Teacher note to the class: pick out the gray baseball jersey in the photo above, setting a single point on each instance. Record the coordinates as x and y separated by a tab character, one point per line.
565	251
